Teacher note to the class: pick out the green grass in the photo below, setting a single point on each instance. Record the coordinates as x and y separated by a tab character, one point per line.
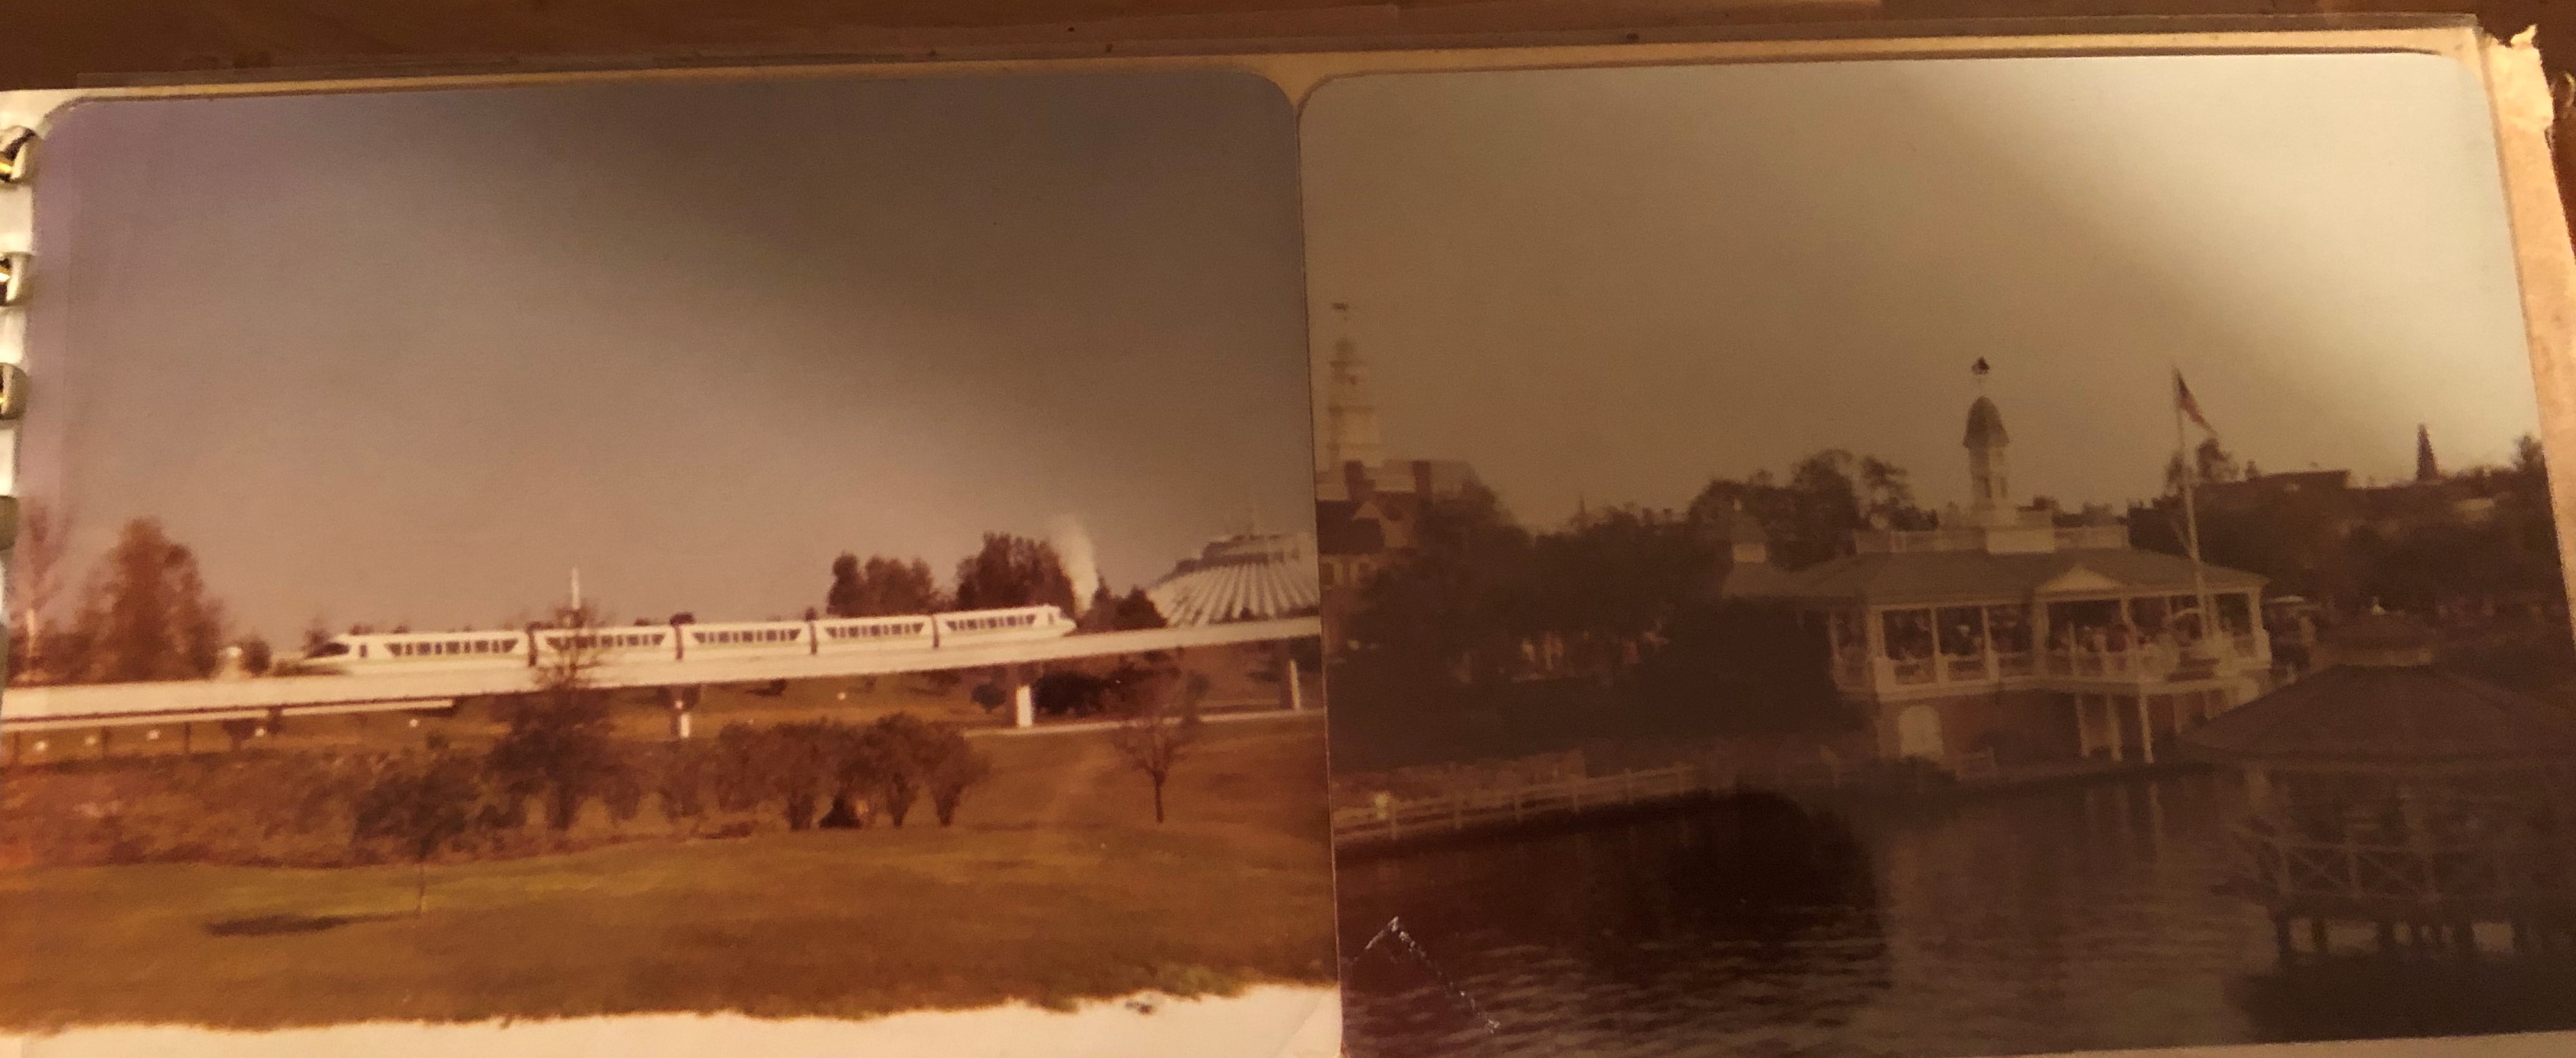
1054	887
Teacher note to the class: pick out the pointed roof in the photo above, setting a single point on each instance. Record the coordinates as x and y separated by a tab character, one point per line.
1986	425
2381	702
2390	716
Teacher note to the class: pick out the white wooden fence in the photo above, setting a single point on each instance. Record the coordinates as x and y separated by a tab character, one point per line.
1393	820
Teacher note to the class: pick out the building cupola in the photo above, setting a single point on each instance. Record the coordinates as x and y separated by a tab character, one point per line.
1989	475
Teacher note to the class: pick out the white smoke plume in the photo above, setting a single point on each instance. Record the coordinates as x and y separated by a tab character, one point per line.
1081	564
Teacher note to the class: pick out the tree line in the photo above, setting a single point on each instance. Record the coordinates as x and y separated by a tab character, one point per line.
1007	572
2472	536
1613	617
142	612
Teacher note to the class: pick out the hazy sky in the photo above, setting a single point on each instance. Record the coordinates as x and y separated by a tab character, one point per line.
414	357
1614	284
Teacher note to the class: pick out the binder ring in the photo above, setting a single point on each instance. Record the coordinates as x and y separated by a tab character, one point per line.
13	277
13	397
17	149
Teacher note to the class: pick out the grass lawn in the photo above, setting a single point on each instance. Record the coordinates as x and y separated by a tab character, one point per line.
1054	886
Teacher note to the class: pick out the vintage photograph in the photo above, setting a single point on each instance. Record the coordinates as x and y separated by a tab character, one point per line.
1942	558
781	550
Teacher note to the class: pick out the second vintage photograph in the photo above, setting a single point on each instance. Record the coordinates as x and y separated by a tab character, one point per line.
1927	559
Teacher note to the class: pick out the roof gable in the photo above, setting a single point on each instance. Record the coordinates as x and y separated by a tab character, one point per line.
2079	579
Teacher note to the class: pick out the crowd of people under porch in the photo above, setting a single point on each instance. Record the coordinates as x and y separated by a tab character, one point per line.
2087	636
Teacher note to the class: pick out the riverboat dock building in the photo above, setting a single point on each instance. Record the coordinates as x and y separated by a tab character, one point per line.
2008	639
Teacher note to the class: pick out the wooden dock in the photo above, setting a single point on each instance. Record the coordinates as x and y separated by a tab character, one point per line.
1392	820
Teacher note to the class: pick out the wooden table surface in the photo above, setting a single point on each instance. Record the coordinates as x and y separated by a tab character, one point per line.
54	43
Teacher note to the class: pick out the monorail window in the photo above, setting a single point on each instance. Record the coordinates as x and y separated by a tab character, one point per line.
331	650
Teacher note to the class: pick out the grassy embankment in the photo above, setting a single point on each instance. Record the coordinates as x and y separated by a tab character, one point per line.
1240	678
1054	886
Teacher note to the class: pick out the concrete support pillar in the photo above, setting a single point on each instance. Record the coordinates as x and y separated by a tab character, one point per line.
1024	702
1291	696
2146	730
683	703
1986	643
2111	725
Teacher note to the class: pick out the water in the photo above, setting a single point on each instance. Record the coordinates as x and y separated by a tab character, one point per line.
2069	919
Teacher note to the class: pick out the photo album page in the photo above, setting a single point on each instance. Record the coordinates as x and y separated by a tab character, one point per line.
1933	548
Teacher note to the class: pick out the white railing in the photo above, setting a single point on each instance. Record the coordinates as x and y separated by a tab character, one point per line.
2144	664
2094	537
1393	819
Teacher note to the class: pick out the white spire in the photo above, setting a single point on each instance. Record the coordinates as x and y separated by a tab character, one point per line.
1989	470
1351	434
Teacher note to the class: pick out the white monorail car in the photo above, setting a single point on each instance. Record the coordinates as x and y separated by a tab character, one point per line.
427	651
419	652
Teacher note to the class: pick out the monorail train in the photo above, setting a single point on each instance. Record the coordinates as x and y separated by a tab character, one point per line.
439	651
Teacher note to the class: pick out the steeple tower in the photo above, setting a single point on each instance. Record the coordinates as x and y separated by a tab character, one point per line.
1351	434
1989	477
2426	470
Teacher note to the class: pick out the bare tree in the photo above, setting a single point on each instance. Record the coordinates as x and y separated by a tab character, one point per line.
425	806
37	575
558	748
1157	726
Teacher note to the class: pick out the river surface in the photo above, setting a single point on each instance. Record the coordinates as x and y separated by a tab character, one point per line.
2074	918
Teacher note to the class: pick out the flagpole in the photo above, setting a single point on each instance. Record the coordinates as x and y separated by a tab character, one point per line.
2191	513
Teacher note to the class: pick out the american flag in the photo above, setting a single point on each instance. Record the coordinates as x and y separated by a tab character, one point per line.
2183	400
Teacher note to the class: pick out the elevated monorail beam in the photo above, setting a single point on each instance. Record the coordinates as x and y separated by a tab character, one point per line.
118	704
